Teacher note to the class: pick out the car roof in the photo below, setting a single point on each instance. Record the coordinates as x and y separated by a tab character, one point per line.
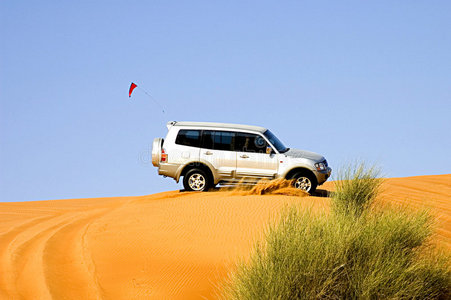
217	125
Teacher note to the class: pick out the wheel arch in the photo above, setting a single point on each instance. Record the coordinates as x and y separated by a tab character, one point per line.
297	170
195	165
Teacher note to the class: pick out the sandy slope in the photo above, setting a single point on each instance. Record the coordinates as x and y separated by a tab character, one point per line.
168	245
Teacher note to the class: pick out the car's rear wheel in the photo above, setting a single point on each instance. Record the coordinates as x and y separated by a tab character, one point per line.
305	182
196	180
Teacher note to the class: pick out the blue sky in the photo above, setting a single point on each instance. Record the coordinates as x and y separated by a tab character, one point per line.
351	80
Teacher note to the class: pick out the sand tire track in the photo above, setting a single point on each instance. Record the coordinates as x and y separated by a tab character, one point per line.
68	274
25	278
7	239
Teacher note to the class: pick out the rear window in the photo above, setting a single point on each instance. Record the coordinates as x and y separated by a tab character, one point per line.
188	138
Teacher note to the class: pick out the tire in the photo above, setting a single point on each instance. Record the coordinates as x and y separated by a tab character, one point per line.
196	180
305	181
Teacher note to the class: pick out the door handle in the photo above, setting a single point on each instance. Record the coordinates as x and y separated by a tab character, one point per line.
244	156
208	153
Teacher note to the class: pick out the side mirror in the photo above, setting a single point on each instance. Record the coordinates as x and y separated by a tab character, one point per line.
269	150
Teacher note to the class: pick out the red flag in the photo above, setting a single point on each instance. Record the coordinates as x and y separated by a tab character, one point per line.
130	91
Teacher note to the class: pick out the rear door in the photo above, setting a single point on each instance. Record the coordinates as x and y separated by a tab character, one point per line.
254	158
217	149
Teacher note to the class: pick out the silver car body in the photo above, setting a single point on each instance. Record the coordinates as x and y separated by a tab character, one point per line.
231	166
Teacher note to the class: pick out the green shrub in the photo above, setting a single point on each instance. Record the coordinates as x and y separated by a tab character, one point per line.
356	189
308	256
351	253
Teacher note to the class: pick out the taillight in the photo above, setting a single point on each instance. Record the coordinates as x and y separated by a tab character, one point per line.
164	156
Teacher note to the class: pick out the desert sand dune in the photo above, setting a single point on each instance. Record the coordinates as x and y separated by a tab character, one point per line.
171	245
424	192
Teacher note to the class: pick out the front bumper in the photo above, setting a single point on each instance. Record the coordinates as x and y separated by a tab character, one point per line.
322	176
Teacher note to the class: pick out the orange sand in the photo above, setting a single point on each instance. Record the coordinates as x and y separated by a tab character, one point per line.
172	245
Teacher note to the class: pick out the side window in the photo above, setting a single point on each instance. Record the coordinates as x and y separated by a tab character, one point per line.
248	142
218	140
223	140
188	138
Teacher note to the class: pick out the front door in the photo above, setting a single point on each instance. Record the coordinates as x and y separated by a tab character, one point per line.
253	161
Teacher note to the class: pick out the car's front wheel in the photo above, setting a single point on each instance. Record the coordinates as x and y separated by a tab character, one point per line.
305	182
196	180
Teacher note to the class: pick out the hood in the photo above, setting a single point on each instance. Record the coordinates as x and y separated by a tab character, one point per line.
296	153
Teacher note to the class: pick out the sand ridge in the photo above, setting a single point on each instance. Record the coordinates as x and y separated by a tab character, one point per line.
171	245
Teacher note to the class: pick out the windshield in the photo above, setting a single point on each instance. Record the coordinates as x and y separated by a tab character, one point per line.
275	141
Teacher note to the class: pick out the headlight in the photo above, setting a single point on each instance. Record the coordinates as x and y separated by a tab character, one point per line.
320	166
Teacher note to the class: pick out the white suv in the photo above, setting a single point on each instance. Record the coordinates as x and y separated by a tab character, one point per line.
207	154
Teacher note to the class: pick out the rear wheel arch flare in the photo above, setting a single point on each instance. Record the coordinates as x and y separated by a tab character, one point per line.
197	165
